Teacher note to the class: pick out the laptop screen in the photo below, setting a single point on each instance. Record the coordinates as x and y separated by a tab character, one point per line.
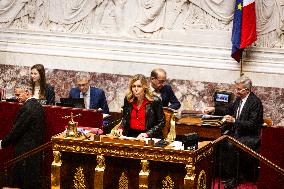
11	100
72	102
223	97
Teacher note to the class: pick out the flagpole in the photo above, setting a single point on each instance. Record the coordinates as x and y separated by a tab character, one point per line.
241	62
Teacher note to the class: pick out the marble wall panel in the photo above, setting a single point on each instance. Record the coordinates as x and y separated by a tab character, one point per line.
194	95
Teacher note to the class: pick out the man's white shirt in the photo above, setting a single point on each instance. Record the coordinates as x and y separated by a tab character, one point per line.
155	92
86	98
242	105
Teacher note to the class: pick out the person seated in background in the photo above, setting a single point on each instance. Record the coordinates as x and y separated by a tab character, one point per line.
11	99
243	118
143	114
40	89
27	134
94	98
162	90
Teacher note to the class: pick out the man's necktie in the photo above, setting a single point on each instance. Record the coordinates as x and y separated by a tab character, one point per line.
239	110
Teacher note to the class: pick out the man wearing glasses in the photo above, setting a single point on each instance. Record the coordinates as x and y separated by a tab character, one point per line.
94	98
159	87
244	118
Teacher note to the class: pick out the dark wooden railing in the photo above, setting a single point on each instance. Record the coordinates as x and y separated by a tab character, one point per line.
11	162
250	152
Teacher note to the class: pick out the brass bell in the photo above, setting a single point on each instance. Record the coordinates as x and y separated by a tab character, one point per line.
72	126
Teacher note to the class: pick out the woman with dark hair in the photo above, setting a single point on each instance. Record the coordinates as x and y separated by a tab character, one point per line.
143	114
40	89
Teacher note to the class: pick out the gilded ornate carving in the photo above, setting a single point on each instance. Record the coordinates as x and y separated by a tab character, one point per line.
57	157
78	148
79	179
55	170
123	151
145	166
190	171
101	162
201	182
172	134
99	172
144	153
190	176
168	183
123	181
144	174
204	154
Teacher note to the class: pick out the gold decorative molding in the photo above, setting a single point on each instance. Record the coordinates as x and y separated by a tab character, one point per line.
79	179
101	162
99	172
171	116
145	166
190	176
168	183
144	153
144	174
123	181
201	182
57	158
204	154
127	151
55	170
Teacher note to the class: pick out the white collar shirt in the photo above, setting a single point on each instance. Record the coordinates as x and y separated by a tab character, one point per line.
242	105
154	91
86	97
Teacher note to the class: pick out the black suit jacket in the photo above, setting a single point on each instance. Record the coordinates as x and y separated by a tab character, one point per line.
28	128
49	94
249	123
169	99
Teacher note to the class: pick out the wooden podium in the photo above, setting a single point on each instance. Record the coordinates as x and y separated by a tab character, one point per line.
187	125
89	163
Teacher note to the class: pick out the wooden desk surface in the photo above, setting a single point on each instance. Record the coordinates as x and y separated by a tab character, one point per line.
100	165
193	125
116	149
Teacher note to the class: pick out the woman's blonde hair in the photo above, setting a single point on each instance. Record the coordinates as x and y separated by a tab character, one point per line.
145	85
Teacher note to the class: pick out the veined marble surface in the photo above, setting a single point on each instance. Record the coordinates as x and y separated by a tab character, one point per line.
194	95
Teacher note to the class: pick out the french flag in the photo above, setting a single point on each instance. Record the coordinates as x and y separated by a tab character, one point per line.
244	27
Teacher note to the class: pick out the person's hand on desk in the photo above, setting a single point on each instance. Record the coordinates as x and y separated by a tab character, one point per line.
208	110
142	135
119	132
229	119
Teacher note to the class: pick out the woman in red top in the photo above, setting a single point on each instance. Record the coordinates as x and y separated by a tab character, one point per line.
143	114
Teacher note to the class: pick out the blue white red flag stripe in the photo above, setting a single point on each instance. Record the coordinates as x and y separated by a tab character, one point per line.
244	27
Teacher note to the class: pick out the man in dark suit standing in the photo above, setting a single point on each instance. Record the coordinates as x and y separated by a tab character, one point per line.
244	118
164	91
27	134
